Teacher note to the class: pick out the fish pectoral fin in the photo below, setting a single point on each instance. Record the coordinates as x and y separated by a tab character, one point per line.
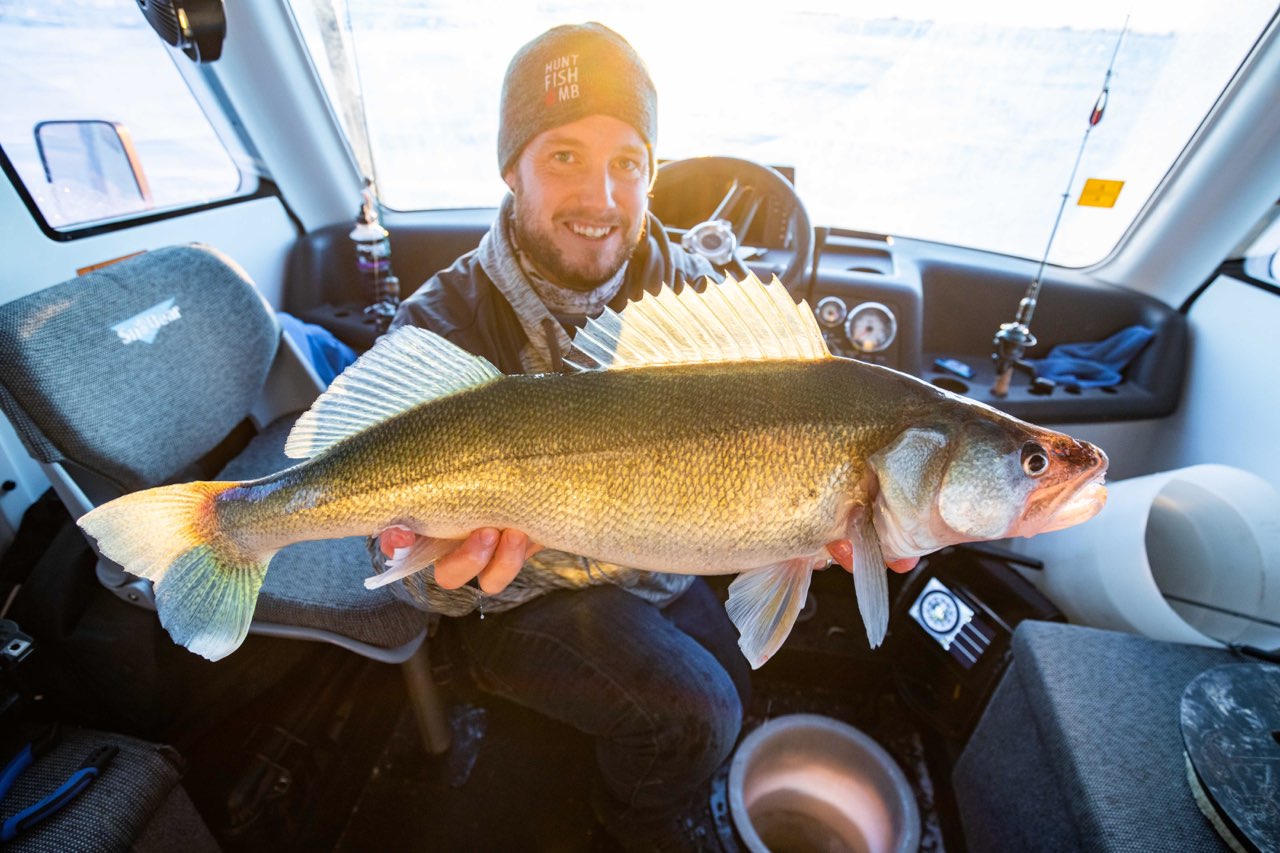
870	580
411	560
763	605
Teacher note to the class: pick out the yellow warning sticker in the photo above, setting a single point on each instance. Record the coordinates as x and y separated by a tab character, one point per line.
1099	193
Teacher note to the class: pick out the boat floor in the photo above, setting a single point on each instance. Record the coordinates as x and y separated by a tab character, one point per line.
514	780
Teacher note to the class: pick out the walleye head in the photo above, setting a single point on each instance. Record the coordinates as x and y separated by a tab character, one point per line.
983	477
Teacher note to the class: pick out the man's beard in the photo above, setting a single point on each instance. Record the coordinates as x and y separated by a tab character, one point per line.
542	250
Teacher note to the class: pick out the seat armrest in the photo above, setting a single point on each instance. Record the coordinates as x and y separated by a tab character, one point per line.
292	385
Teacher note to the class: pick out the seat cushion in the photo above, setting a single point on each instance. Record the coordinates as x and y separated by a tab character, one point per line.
320	584
1081	746
135	804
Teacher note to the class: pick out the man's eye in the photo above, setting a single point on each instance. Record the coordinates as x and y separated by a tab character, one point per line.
628	165
563	157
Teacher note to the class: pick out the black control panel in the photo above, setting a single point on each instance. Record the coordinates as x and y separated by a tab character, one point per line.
952	625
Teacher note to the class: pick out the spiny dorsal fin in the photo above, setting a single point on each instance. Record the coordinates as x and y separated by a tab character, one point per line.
732	321
406	368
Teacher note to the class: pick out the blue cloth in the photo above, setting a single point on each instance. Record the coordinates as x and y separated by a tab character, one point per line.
329	356
1096	364
661	691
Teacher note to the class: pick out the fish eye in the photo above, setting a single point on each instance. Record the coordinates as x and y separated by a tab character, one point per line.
1035	461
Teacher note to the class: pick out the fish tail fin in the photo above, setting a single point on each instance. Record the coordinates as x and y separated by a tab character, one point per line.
206	583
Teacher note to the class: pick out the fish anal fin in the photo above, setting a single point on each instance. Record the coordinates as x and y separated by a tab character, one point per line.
764	603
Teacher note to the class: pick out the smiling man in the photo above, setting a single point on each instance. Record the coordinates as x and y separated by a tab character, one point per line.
645	663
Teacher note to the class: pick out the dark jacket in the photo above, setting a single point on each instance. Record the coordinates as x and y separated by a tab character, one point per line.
463	305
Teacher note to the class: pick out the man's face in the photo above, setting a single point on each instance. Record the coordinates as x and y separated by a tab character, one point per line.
581	194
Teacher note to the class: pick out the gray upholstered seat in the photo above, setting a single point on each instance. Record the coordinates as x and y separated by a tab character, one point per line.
1081	747
137	804
143	373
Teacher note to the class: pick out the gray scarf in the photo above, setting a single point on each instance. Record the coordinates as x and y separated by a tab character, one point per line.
534	298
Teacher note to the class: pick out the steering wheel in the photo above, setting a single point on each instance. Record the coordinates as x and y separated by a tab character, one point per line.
752	189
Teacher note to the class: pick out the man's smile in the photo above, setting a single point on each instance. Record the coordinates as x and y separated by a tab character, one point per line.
591	232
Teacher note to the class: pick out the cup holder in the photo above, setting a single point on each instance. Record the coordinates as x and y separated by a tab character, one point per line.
950	383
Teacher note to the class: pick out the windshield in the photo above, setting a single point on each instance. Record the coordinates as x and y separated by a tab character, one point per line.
956	123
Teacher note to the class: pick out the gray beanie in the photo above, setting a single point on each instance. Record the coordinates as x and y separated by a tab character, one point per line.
568	73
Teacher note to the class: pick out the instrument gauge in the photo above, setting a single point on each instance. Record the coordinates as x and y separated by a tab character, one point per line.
939	612
831	312
871	327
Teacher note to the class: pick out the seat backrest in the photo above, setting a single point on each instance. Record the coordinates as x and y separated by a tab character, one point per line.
135	371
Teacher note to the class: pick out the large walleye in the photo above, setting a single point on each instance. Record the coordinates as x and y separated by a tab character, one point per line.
706	433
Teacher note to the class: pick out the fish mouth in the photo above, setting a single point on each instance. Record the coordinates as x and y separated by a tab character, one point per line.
1082	504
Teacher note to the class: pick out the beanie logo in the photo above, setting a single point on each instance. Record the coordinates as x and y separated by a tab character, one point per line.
561	80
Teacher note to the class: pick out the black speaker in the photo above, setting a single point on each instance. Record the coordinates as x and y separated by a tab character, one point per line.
196	27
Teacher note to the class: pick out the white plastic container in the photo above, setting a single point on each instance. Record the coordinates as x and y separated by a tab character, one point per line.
1190	555
805	782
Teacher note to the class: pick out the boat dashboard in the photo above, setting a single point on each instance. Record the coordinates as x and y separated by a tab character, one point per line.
922	308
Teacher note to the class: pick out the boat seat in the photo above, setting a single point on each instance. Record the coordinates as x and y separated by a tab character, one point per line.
167	367
1081	747
136	803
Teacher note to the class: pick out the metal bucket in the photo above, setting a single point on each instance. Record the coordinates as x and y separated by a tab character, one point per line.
805	782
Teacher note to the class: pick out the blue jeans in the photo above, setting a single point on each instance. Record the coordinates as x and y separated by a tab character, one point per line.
661	691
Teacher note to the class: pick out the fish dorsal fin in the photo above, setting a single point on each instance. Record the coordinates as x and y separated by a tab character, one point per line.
406	368
732	321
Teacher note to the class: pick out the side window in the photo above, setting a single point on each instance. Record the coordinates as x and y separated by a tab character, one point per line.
98	124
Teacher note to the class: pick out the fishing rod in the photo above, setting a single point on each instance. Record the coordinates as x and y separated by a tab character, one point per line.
1014	339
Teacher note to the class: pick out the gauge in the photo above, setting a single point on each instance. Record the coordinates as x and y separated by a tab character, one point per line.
871	327
939	612
831	311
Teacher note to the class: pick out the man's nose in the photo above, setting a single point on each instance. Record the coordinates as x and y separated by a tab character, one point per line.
597	187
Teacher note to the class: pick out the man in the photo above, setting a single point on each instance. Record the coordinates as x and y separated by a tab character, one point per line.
646	663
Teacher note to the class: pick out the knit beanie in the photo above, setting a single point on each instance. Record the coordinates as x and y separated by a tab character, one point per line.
568	73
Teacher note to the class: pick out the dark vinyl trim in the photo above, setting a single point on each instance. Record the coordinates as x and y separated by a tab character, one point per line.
1232	269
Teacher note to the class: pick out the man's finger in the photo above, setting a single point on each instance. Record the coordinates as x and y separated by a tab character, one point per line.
395	537
906	564
508	557
468	559
841	551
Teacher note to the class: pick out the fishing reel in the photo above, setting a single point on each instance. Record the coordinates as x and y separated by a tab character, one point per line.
1011	342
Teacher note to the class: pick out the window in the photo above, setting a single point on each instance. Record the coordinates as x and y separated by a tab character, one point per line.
953	122
98	123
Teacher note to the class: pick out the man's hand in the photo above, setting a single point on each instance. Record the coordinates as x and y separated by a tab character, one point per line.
491	555
842	552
